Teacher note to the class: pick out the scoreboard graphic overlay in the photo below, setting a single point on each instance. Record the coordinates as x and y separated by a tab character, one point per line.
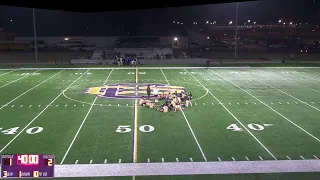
27	166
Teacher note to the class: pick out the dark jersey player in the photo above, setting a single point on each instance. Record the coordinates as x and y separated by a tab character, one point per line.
148	90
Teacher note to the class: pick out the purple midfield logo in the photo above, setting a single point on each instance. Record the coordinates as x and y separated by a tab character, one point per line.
131	90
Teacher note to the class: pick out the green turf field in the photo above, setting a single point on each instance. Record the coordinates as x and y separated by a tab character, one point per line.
237	114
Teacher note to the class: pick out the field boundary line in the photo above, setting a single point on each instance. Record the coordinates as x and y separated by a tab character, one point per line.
31	89
269	107
83	121
285	93
234	117
194	136
40	113
16	80
175	67
186	168
135	132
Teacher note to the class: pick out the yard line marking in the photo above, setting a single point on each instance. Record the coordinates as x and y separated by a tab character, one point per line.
177	159
15	80
76	162
234	116
85	118
288	95
135	123
119	160
315	156
247	158
148	160
194	136
260	158
91	161
288	157
106	161
162	159
312	102
233	159
38	115
302	157
191	159
6	73
219	159
273	109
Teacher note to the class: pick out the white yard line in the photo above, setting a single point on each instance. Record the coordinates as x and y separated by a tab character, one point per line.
270	108
185	168
30	89
194	136
16	80
7	72
285	93
234	116
83	121
21	131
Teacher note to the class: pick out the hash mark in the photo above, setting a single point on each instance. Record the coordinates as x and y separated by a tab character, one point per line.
296	102
246	103
260	158
312	102
82	104
39	105
30	105
204	103
247	158
191	159
237	103
127	104
12	105
288	157
177	159
302	157
162	159
100	104
118	104
106	161
212	103
195	103
91	161
57	105
109	104
219	159
279	102
76	162
74	105
271	103
315	156
21	105
66	105
230	103
288	103
254	102
148	160
233	158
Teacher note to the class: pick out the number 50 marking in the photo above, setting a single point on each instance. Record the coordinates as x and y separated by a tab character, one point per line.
126	128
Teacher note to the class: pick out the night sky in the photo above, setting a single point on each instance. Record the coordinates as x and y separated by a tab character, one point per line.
153	21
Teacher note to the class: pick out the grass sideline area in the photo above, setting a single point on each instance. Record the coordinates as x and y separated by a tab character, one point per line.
237	114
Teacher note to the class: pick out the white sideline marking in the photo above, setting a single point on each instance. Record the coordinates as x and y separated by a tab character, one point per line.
76	162
302	157
219	159
186	168
273	109
85	118
16	80
260	158
315	156
162	159
194	136
289	95
177	159
234	116
148	160
119	160
91	161
247	158
288	157
233	158
38	115
106	161
191	159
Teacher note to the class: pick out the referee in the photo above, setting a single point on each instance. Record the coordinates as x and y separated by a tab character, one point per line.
148	91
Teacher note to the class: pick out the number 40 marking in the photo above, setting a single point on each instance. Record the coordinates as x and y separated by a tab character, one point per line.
253	126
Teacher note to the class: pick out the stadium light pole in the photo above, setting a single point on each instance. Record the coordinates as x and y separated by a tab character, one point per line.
35	34
236	40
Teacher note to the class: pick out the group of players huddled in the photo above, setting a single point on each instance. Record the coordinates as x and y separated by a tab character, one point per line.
175	101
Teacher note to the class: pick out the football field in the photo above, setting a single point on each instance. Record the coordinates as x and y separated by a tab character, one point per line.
91	116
